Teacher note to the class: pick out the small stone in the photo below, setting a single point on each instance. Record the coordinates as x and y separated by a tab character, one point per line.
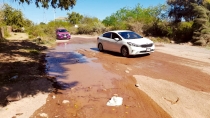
18	114
14	77
189	43
53	97
89	87
15	96
137	85
172	42
65	101
115	94
4	89
43	115
127	71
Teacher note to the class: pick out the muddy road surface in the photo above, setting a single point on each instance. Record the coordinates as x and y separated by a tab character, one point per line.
171	82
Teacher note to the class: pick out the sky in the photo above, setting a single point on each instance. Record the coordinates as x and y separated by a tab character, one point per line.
93	8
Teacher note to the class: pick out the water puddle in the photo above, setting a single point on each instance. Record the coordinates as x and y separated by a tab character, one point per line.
72	69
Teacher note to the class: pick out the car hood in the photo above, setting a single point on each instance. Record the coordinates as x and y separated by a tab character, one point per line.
140	41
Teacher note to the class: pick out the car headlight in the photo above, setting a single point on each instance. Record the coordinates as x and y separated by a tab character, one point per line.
133	44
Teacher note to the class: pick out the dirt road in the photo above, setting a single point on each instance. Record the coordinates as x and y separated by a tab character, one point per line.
174	81
170	85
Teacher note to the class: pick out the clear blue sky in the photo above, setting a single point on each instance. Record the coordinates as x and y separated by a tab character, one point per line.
95	8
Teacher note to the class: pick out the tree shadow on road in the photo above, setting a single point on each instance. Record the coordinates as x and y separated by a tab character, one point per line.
23	70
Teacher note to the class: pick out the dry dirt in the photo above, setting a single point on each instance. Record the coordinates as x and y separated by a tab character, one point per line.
174	81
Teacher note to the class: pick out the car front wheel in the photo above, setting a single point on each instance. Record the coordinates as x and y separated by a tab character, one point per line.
124	52
100	47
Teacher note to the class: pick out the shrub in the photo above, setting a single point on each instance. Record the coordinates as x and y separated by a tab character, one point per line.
136	27
183	32
93	28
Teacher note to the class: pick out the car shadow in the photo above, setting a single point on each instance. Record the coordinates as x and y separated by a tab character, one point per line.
119	54
95	49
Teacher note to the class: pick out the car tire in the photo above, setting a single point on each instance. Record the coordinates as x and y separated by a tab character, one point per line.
100	47
124	51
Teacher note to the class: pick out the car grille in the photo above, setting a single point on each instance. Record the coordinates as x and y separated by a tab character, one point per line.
147	45
146	51
64	34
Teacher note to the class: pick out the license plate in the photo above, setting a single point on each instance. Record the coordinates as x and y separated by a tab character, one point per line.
148	49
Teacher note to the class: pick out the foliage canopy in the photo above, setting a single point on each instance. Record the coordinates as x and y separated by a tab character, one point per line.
74	18
62	4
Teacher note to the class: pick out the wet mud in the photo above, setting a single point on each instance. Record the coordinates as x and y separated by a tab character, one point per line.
88	78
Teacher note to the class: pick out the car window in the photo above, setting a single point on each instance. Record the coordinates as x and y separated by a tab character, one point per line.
107	35
114	35
62	30
129	35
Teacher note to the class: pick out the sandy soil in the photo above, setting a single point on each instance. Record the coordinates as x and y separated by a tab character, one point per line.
180	101
17	36
173	82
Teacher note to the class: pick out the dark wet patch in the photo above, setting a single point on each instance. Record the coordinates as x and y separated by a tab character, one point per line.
66	57
63	86
57	60
94	49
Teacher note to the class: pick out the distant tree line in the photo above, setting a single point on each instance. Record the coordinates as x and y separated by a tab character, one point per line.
178	20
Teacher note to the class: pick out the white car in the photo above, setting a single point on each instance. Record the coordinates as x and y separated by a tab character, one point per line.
125	42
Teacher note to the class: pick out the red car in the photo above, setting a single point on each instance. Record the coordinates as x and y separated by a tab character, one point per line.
62	33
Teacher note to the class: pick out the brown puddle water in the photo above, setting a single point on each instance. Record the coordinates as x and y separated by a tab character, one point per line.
72	69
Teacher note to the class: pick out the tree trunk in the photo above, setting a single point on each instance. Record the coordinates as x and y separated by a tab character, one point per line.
1	33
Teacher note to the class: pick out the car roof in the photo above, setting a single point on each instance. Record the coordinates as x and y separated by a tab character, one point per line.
116	31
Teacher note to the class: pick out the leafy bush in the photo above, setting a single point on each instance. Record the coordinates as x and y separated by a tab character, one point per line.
160	39
183	32
85	29
136	27
160	29
90	25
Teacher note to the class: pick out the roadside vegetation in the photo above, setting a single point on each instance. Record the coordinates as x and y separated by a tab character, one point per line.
176	21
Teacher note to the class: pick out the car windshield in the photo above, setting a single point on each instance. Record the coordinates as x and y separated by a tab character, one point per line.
62	30
129	35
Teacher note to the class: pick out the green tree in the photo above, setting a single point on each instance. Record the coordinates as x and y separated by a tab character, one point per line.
90	25
201	26
74	18
126	18
62	4
182	9
13	17
1	16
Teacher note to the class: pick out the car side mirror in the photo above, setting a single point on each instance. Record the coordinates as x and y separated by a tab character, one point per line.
117	39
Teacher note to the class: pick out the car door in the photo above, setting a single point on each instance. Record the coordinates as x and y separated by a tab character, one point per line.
115	44
105	40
